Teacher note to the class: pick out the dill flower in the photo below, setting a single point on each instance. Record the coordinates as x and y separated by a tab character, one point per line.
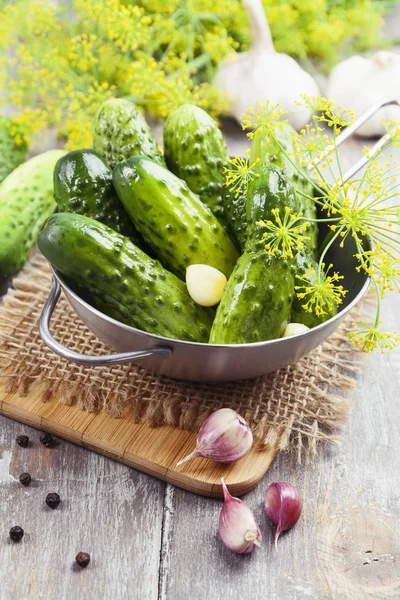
265	117
364	209
286	234
320	291
68	58
239	173
372	337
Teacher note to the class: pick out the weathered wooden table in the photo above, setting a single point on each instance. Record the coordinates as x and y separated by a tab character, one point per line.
148	540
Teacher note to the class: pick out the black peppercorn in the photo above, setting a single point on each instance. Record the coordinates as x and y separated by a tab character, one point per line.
47	440
22	440
16	533
82	559
53	500
25	478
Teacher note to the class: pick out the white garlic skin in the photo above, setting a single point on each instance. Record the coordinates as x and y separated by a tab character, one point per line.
262	74
205	284
237	526
357	83
257	77
295	329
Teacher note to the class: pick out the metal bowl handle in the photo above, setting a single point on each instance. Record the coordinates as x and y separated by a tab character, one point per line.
83	359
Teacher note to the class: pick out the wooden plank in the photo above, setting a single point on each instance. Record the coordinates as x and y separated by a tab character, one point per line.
346	545
154	451
107	509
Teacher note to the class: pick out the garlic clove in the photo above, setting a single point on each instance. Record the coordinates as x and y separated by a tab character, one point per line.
359	82
262	74
295	329
205	284
283	506
224	437
237	526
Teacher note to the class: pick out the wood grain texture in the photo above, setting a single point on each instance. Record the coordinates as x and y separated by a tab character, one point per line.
107	509
154	451
150	540
347	543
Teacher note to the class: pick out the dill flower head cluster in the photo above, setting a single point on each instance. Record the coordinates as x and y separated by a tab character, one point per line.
286	234
239	172
364	209
59	62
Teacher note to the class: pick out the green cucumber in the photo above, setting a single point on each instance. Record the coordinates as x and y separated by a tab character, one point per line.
26	200
121	280
181	230
195	151
83	185
13	147
306	265
121	131
269	150
257	300
235	214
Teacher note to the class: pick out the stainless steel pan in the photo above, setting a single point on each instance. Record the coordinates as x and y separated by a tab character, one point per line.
206	362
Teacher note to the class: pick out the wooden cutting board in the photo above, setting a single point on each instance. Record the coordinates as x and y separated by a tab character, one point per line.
151	450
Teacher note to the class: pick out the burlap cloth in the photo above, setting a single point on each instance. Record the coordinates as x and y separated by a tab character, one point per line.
297	407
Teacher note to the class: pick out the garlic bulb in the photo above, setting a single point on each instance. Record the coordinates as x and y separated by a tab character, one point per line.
295	329
205	284
262	74
359	82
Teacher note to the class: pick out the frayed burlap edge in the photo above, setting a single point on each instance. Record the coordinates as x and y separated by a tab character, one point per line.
300	407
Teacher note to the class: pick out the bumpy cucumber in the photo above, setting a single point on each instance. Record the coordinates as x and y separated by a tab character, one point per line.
120	131
122	281
13	147
26	200
257	301
271	190
268	150
83	185
181	230
305	265
235	215
195	151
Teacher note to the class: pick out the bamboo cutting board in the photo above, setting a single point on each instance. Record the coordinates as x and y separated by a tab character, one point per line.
152	450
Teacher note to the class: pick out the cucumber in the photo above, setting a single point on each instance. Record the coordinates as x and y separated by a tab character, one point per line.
121	131
267	150
257	300
195	151
12	154
171	218
26	200
83	185
256	303
235	214
122	281
305	265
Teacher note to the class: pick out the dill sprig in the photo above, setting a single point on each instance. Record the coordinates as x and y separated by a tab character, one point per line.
364	208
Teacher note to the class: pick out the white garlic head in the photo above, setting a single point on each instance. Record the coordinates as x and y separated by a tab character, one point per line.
359	82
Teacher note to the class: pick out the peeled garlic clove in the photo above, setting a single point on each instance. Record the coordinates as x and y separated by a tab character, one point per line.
359	82
237	526
295	329
262	74
283	506
223	437
205	284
